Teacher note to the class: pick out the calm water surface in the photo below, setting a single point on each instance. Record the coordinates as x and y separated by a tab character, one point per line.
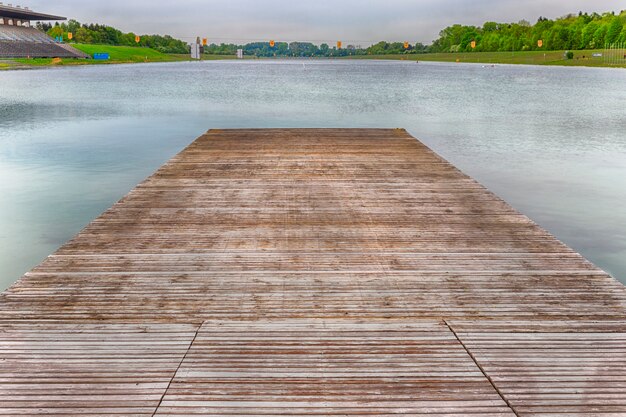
550	141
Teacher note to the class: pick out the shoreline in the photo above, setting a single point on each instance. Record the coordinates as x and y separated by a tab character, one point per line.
550	58
582	58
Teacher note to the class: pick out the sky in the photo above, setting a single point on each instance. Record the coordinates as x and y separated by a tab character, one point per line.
360	22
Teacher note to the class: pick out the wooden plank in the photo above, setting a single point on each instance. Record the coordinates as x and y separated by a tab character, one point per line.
85	369
552	368
283	223
327	368
325	264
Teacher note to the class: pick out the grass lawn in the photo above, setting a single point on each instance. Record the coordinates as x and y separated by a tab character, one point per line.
127	53
117	54
581	58
131	54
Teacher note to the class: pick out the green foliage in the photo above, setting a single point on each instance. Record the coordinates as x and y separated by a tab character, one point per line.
571	32
96	34
614	29
283	49
582	31
569	55
307	49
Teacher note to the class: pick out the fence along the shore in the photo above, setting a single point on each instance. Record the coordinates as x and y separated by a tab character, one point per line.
615	54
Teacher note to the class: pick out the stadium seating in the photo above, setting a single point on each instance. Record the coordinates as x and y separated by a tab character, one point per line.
24	42
26	34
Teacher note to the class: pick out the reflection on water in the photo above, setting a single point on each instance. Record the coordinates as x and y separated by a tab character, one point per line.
551	141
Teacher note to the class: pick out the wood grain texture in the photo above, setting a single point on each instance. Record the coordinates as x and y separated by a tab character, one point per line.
88	369
320	223
555	368
290	232
329	368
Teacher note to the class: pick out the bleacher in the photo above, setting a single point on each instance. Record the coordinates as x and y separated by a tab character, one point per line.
28	42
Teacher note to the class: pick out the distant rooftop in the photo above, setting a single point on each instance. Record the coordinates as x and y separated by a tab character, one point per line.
24	13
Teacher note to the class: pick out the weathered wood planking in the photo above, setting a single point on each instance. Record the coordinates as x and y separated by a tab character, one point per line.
319	223
329	368
289	244
88	369
553	369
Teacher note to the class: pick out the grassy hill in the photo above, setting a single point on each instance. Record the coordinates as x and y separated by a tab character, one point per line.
117	54
127	53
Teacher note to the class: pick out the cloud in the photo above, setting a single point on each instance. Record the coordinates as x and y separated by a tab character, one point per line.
357	21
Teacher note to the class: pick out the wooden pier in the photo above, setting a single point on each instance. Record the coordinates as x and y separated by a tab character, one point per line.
313	273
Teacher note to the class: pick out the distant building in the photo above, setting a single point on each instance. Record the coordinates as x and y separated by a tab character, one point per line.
196	50
18	39
239	53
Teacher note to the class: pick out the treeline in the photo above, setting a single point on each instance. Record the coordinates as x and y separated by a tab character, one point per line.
283	49
582	31
307	49
572	32
107	35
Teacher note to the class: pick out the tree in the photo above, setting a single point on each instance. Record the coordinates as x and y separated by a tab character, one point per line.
599	36
83	35
43	26
103	34
588	35
490	27
56	31
573	31
614	30
73	26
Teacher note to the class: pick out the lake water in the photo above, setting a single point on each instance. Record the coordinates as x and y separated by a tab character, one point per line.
551	141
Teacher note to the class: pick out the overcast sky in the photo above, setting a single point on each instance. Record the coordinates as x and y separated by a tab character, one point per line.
352	21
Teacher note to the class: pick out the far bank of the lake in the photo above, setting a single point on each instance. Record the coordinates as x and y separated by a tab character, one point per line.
117	55
134	55
584	58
